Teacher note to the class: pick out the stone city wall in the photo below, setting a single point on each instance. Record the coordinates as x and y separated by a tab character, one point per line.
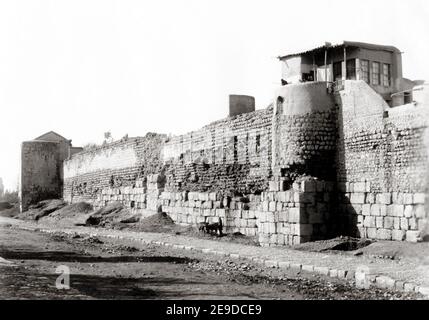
381	163
298	215
119	164
232	155
266	173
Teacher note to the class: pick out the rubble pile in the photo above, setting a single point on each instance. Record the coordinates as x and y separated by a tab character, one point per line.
42	209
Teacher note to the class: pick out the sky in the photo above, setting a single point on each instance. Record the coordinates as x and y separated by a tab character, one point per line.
85	67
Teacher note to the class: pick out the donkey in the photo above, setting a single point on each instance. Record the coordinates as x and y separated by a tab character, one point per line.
215	227
202	226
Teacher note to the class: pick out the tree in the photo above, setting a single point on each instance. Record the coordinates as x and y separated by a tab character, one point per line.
10	196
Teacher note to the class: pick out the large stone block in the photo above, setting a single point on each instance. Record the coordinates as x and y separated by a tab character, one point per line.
265	205
296	197
422	224
359	187
284	216
413	236
369	222
272	228
397	223
404	224
251	214
379	222
408	198
270	217
408	211
398	235
371	233
294	215
281	196
419	198
412	222
357	198
203	196
370	198
398	210
384	234
420	211
398	198
281	239
366	209
274	186
384	198
272	206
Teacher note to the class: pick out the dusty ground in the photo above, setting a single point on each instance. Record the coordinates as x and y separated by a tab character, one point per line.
116	216
126	269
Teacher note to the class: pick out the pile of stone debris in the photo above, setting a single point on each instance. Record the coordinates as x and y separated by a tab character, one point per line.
114	215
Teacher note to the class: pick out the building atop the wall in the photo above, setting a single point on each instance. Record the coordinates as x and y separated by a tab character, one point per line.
380	66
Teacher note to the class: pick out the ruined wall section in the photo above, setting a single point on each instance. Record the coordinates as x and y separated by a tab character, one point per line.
119	164
381	160
232	155
40	177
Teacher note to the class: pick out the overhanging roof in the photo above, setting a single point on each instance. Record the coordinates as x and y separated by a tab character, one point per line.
354	44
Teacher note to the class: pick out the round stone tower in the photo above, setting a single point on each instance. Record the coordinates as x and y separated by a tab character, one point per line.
304	132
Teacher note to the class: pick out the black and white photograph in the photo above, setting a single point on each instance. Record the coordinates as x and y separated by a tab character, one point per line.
222	152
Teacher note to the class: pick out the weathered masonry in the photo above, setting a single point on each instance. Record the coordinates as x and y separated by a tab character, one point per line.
41	175
322	160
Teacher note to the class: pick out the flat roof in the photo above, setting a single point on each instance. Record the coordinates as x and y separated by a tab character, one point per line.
354	44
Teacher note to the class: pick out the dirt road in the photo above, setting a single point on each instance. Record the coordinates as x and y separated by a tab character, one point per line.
102	268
